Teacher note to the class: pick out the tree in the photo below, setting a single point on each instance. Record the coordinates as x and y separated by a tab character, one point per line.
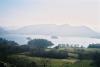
40	43
94	46
7	48
96	59
7	43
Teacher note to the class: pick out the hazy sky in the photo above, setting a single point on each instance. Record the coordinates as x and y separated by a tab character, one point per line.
19	13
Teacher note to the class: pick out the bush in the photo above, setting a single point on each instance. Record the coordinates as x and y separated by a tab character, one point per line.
50	54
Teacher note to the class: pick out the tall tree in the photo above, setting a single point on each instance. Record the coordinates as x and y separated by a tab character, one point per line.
40	43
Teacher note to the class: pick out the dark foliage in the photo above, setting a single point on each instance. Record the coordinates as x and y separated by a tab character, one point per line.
96	59
7	47
40	43
94	46
50	54
82	54
10	47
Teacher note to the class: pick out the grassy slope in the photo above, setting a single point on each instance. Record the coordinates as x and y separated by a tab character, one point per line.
53	62
70	62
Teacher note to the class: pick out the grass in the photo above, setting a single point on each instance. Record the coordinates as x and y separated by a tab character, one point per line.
53	62
72	60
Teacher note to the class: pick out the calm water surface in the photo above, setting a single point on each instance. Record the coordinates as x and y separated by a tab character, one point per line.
22	39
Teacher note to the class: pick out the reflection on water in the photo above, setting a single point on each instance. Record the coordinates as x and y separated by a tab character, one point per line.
22	39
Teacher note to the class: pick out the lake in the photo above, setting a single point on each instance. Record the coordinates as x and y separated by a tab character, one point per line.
22	39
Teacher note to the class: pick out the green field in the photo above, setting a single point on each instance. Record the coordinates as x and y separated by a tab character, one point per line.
51	62
71	61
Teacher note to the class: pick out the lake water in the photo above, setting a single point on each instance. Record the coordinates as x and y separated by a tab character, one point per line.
22	39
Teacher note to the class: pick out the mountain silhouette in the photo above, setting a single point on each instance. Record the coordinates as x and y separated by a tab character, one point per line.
3	31
58	30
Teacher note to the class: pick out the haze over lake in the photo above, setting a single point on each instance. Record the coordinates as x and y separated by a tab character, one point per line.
22	39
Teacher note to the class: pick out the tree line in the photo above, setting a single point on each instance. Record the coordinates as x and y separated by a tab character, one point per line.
39	48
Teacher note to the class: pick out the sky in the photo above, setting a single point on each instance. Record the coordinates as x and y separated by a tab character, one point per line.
19	13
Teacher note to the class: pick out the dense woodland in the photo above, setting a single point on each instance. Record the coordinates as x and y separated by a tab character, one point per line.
37	54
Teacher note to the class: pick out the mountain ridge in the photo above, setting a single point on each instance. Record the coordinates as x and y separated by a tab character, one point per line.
57	30
3	31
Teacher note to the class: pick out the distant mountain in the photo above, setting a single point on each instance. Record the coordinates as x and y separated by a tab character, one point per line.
58	30
3	31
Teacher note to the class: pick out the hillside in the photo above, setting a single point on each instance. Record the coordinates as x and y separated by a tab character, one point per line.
58	30
3	31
